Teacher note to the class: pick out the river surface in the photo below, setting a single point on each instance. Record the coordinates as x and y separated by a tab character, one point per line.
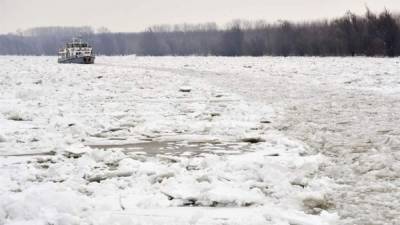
345	108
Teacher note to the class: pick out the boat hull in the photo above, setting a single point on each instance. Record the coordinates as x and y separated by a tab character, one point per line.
78	60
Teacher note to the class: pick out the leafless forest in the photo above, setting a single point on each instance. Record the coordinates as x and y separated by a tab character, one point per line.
370	35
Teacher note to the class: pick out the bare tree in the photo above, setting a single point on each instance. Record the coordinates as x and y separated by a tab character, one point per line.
370	34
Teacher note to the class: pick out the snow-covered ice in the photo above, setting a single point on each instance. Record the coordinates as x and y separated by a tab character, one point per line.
220	150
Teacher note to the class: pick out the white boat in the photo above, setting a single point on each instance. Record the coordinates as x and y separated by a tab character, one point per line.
76	51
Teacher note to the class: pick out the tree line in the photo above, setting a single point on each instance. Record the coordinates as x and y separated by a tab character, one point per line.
370	34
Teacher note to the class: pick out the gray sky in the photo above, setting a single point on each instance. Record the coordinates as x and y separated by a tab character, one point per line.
135	15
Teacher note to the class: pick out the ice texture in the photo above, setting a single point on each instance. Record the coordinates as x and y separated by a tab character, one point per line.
316	141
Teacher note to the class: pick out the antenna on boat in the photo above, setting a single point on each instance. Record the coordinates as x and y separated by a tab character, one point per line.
80	39
77	40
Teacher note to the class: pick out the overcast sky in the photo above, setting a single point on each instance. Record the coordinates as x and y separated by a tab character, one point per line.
135	15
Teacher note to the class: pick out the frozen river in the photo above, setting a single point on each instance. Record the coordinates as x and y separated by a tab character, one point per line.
274	140
348	110
345	108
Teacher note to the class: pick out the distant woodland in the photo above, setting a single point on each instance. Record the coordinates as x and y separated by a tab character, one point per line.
351	35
